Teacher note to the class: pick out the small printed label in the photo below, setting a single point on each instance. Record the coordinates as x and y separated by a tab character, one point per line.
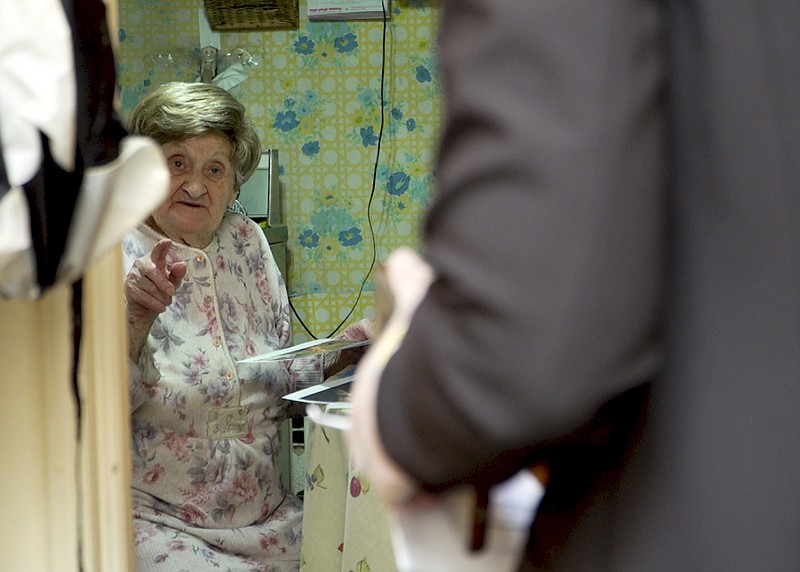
227	422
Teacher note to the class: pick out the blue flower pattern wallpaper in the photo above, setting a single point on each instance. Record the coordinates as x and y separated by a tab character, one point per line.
315	94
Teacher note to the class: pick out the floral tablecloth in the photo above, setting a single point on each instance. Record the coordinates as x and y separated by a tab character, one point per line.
345	528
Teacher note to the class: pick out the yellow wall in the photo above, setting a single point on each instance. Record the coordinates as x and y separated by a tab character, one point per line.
314	94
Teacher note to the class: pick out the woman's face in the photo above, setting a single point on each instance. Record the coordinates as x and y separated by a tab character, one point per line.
201	188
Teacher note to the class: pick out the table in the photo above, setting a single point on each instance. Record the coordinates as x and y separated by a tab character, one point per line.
345	527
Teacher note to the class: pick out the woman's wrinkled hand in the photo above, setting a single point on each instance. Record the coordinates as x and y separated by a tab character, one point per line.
149	288
358	332
334	362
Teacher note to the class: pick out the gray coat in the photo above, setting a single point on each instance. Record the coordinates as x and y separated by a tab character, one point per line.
617	238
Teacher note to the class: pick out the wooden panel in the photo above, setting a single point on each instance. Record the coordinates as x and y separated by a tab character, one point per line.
107	521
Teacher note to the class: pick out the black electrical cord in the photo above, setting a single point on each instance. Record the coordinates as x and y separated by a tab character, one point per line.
371	194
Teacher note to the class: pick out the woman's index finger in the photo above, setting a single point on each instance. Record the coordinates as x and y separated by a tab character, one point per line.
159	253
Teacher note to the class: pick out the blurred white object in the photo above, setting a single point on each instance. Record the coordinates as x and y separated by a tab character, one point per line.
71	181
114	198
231	77
325	417
436	537
38	91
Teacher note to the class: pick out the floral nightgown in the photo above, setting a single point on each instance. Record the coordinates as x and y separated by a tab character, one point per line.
207	491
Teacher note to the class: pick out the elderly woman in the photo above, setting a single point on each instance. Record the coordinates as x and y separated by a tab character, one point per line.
203	292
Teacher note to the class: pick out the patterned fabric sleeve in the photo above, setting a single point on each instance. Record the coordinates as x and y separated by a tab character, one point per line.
302	372
143	375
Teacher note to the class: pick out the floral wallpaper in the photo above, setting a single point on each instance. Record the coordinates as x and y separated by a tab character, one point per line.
315	94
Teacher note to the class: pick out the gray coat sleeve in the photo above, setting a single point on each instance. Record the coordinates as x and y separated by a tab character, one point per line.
546	234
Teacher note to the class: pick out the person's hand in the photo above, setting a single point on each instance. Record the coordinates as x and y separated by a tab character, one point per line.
149	287
334	362
406	278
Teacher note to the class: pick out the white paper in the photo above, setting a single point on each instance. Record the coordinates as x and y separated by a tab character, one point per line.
327	392
307	349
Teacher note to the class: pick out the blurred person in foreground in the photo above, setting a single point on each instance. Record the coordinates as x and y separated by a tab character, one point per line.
203	291
610	286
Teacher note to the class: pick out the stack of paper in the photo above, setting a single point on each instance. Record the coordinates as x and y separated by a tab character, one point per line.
334	390
307	350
